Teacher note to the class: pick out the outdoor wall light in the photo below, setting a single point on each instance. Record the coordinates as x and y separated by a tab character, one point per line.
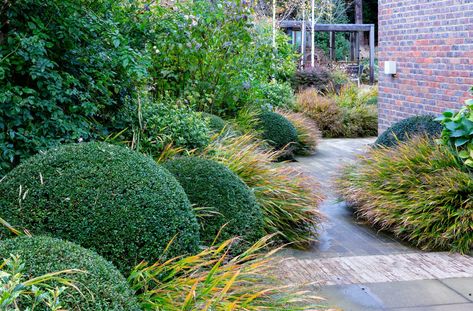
390	68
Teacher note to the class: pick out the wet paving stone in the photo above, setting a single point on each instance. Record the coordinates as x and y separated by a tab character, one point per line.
357	268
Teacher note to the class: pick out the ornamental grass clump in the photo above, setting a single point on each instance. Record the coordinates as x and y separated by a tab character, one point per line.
214	280
107	198
209	184
308	135
418	190
323	110
289	200
85	280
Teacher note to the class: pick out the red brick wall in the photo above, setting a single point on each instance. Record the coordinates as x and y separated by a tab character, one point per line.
432	43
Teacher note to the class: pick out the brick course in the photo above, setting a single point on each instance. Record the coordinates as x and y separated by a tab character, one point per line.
432	43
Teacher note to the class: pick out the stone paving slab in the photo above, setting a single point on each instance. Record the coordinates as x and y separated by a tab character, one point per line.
359	269
412	295
378	268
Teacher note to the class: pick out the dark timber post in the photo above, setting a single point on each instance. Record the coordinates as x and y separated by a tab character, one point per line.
352	46
372	54
333	56
357	47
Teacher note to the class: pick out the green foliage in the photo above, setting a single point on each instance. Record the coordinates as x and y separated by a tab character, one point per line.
457	132
165	123
278	95
211	54
212	185
215	123
65	67
416	190
98	284
247	121
277	130
107	198
408	128
32	293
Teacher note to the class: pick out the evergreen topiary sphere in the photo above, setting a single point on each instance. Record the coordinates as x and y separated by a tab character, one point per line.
277	130
408	128
108	198
102	287
211	184
216	123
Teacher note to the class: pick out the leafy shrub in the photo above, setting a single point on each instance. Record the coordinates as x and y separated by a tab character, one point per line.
308	134
211	185
107	198
100	284
218	71
408	128
278	131
165	123
215	279
64	63
288	198
216	124
416	190
323	110
457	132
277	94
318	78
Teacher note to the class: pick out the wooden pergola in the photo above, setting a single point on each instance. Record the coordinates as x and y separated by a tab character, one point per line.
354	29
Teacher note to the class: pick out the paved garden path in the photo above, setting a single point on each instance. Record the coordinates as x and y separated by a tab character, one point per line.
356	268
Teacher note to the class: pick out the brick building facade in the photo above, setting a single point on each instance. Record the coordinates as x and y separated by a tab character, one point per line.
432	44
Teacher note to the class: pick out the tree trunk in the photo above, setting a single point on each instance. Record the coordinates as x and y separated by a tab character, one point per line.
312	34
359	19
274	24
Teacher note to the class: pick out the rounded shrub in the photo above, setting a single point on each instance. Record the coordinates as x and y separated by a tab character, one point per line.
101	285
215	123
212	185
277	130
104	197
407	128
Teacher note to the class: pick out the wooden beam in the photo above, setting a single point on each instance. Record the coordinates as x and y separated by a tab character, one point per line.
327	27
372	54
